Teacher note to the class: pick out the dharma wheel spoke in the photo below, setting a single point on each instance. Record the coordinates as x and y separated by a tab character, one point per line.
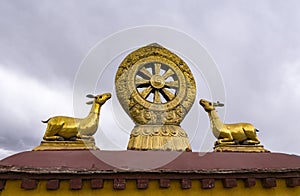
168	73
157	68
157	97
172	84
167	94
145	93
157	83
146	73
141	82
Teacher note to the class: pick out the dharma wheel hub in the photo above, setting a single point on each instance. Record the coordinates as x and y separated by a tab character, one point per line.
156	89
157	81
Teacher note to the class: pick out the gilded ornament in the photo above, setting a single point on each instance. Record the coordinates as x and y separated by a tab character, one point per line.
157	89
238	137
64	132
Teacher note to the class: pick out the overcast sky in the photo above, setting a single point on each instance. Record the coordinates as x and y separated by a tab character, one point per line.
255	45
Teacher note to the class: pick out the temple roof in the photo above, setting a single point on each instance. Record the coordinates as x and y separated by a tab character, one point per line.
96	161
142	166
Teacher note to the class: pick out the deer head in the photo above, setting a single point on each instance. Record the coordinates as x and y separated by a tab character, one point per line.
209	106
100	99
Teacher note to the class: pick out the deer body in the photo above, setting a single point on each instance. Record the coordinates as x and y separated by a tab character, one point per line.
238	133
69	128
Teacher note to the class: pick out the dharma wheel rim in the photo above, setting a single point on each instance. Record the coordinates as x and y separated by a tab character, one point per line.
158	84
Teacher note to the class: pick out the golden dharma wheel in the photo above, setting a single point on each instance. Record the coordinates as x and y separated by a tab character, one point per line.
155	86
157	89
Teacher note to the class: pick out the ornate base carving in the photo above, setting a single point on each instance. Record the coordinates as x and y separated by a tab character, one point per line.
158	137
240	148
67	145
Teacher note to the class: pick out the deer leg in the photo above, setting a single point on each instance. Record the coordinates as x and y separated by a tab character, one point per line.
73	138
227	139
84	137
88	137
246	142
253	139
53	138
50	133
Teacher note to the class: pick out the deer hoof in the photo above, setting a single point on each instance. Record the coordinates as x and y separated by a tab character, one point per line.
245	142
60	138
73	139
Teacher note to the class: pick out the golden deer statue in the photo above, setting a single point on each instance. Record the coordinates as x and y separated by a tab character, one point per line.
239	133
68	128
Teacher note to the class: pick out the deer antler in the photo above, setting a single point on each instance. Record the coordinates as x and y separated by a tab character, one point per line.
90	96
218	104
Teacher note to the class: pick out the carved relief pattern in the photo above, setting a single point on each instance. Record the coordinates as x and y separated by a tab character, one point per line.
167	130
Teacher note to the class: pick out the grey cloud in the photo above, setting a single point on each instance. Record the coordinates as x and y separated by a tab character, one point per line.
254	44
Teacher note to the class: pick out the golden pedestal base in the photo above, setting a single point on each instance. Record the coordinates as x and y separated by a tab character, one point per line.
159	137
67	145
240	148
